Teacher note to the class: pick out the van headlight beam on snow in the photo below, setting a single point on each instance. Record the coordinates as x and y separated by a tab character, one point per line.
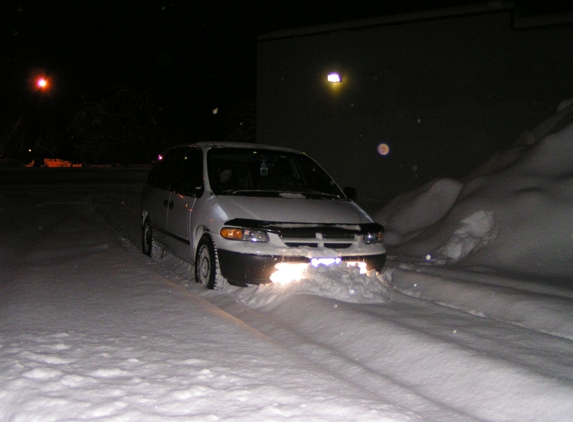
244	234
289	272
316	262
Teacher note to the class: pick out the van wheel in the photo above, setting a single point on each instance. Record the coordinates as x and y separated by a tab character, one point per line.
207	270
148	244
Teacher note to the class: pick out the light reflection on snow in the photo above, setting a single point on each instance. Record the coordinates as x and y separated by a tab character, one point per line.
360	265
341	281
289	272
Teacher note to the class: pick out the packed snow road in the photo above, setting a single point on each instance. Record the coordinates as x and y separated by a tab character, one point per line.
425	356
92	329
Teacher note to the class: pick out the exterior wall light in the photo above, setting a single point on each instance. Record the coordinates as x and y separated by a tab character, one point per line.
334	78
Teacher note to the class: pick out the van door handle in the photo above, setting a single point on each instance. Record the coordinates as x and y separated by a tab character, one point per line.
165	203
170	205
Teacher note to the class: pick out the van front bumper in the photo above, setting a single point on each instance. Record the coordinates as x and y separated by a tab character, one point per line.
241	269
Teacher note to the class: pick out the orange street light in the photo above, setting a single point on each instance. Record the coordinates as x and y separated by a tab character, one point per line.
42	83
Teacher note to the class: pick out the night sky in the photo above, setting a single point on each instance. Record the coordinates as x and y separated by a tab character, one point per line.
192	56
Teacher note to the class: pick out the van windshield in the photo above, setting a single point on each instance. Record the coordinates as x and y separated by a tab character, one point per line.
267	172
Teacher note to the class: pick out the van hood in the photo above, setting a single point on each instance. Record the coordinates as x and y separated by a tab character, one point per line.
294	210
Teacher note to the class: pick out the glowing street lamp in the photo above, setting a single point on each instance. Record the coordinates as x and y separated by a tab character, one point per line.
334	78
39	81
42	83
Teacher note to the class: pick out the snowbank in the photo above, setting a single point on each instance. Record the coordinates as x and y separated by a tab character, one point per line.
512	214
410	212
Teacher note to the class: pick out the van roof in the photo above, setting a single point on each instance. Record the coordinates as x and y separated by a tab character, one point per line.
210	145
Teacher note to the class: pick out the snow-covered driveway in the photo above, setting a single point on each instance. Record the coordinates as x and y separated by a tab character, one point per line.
90	329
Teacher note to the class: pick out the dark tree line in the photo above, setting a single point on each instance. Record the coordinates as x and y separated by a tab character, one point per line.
120	127
125	126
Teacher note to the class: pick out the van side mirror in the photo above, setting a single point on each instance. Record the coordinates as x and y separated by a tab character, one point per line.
198	191
350	193
189	190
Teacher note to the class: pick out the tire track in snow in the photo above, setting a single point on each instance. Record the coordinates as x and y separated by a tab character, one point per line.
542	312
334	360
437	381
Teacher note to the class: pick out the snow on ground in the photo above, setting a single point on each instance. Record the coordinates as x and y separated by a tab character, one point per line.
470	321
90	332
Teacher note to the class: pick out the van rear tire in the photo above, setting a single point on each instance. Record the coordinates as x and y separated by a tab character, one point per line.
149	245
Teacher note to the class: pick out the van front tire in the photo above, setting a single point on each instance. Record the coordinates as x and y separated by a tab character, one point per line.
206	264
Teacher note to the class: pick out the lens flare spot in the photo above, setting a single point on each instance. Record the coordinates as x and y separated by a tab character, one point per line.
383	149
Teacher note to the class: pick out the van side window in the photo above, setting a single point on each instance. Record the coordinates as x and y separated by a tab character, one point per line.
188	179
161	175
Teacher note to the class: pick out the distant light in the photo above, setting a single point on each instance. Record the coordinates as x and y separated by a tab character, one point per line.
383	149
42	83
159	157
334	78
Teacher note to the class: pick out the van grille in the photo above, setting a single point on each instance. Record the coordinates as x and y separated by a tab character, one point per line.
333	239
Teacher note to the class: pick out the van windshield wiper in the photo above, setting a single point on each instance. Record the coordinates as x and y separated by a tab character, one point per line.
254	192
294	193
319	192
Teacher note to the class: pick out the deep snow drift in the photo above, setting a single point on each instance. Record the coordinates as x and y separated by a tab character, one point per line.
513	214
90	329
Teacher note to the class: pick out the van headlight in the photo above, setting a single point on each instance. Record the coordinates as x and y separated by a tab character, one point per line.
371	238
245	234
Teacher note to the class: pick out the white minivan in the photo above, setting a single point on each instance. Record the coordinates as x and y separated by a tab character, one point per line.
252	214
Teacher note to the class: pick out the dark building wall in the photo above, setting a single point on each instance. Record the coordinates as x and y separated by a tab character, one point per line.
443	92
